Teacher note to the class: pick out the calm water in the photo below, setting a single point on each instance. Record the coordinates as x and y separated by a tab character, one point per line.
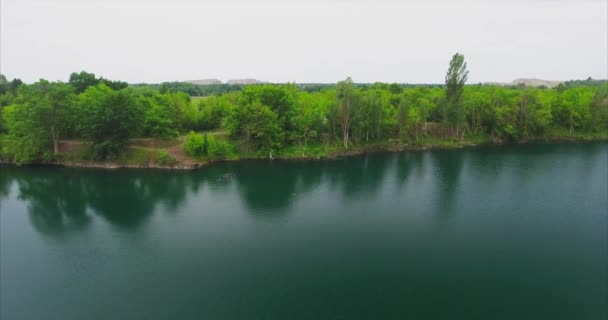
518	232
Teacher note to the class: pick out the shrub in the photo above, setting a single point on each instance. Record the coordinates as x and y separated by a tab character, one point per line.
195	145
218	147
206	145
165	159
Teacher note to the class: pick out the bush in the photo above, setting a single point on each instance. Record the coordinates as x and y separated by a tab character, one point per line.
195	145
217	147
206	145
165	159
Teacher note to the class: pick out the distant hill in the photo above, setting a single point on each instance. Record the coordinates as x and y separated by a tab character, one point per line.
205	82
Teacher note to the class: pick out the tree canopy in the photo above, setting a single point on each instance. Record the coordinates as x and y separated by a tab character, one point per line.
264	118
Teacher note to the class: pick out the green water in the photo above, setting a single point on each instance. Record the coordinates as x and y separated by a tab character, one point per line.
514	232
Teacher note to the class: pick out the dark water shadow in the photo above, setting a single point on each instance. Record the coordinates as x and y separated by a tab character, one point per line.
359	177
448	165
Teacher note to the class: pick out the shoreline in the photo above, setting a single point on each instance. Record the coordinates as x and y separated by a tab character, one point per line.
366	149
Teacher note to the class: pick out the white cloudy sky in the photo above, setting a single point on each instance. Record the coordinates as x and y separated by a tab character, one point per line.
303	40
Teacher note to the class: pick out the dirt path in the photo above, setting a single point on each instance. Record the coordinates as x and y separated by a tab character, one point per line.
173	147
176	152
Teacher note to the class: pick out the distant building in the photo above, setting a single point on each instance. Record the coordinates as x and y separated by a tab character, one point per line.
528	83
244	81
204	81
536	83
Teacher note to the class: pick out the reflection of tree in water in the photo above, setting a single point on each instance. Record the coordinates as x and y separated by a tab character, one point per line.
127	198
56	203
449	164
61	199
406	164
270	187
488	162
5	183
359	176
58	199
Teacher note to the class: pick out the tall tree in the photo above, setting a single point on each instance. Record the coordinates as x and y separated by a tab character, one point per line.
455	80
345	95
309	117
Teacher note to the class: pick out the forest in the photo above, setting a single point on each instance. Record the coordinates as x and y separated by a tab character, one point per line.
288	119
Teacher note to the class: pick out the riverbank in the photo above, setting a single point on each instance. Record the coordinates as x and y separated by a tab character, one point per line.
169	154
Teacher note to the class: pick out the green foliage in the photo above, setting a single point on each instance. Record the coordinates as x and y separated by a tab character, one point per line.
159	123
346	108
82	80
25	142
217	148
212	111
258	124
206	145
109	118
454	80
3	84
195	145
42	113
165	159
194	89
309	118
288	119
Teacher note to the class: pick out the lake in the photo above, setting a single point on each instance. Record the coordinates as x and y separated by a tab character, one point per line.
511	232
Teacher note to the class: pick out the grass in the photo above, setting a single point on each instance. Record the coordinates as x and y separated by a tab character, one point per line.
130	157
165	159
137	157
564	134
196	99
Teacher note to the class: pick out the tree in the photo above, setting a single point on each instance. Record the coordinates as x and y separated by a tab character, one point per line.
14	85
25	141
454	80
280	99
309	117
212	110
533	112
345	96
61	100
369	116
573	107
41	115
114	85
109	119
599	109
82	80
166	114
402	115
258	124
3	84
414	117
158	122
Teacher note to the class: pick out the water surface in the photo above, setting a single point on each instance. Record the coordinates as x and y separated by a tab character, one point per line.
514	232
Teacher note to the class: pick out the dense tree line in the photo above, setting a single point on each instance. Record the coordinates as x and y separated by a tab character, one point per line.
272	117
195	90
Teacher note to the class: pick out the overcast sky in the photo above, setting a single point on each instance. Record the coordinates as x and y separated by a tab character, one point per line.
303	40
